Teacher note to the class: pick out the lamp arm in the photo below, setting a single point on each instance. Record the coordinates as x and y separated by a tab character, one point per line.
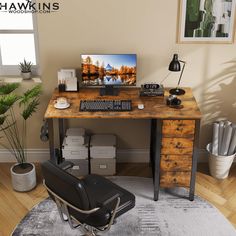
165	78
181	72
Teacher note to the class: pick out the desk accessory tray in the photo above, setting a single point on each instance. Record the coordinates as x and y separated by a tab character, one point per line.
151	90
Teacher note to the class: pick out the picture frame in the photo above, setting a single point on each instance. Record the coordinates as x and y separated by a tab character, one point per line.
206	21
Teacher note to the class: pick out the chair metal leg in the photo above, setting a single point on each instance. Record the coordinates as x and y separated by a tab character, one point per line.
63	205
59	208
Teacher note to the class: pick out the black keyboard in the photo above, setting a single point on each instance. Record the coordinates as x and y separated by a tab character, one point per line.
105	105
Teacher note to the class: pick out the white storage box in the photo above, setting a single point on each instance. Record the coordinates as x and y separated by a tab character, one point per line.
103	166
75	136
74	152
80	168
103	146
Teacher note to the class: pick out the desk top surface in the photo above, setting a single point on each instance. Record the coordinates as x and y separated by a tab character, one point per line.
154	107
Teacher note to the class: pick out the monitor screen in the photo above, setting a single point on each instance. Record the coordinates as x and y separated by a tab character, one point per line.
112	69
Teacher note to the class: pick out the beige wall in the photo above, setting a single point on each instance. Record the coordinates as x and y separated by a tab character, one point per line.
147	28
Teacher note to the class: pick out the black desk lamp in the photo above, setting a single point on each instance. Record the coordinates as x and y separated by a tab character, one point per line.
175	66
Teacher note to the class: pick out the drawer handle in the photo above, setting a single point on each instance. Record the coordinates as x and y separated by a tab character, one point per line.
175	180
176	163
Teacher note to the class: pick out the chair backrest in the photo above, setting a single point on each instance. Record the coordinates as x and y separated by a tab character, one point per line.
65	185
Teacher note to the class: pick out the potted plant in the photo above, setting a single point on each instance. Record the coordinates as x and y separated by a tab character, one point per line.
22	173
25	68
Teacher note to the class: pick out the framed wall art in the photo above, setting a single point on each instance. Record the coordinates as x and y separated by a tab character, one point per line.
206	21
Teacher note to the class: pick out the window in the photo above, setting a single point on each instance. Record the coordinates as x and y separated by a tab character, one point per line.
18	41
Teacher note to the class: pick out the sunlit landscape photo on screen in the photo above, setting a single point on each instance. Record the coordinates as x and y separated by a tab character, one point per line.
117	69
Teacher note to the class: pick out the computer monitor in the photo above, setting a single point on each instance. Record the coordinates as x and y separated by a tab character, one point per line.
109	70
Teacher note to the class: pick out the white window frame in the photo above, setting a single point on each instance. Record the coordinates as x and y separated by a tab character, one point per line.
13	70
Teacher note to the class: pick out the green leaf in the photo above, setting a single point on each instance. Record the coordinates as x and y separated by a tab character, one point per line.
30	94
6	102
9	99
25	66
30	109
2	119
8	88
3	109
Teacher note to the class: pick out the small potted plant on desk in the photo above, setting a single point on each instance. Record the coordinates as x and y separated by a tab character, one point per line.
23	173
25	68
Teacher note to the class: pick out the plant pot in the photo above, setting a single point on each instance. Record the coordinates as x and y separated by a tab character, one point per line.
23	179
26	75
219	165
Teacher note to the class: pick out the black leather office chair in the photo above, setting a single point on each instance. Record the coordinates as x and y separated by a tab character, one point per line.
91	203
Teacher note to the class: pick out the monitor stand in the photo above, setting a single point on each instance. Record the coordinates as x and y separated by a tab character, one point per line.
109	90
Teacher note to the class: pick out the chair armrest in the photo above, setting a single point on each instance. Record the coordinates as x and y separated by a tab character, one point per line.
109	200
65	165
104	214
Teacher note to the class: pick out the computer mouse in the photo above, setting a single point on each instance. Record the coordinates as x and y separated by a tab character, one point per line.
140	106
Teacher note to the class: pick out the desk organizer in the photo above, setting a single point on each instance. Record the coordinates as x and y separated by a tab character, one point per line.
103	154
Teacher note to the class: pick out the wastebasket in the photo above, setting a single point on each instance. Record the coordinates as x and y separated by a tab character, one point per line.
219	165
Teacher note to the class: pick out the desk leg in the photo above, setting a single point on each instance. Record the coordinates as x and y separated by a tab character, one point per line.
61	123
51	141
157	157
194	161
152	144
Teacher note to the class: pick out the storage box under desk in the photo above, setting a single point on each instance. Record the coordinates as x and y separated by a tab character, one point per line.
74	152
103	166
75	137
103	146
75	141
102	152
80	168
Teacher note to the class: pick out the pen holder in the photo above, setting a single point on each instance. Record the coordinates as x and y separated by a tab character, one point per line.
62	88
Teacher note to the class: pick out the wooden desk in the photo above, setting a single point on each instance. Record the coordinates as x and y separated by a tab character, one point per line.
174	132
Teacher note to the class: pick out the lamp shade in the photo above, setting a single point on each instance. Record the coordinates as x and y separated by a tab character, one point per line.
175	64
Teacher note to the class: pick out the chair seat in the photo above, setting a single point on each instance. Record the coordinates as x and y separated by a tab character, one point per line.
77	198
102	190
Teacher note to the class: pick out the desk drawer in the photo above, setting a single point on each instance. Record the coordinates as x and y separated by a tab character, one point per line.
176	163
177	146
171	179
178	128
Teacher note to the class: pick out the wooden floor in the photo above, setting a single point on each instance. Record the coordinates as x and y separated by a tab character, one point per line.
14	206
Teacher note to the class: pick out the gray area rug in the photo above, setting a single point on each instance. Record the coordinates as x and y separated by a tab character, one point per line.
171	215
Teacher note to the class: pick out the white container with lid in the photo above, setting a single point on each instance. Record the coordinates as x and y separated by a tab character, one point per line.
103	166
75	136
74	152
80	168
103	146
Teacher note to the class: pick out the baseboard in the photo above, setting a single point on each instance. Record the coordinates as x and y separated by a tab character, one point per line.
33	155
133	155
40	155
123	155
